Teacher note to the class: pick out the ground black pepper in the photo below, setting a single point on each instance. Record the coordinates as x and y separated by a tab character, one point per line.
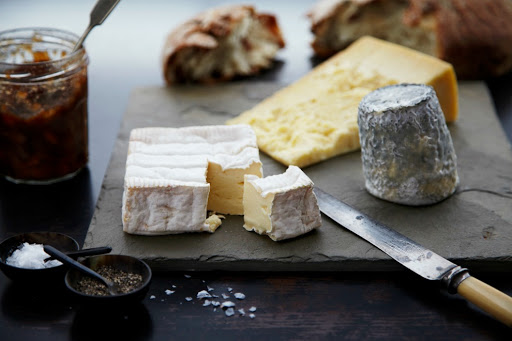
126	282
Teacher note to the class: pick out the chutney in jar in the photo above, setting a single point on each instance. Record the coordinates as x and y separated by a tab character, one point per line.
43	105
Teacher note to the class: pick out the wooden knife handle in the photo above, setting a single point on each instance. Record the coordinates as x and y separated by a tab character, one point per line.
487	298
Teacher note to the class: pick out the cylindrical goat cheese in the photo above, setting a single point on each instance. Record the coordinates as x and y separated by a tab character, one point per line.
406	147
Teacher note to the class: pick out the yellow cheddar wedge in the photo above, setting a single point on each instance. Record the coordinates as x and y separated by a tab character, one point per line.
315	118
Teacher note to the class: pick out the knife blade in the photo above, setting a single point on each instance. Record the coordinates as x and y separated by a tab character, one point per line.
417	258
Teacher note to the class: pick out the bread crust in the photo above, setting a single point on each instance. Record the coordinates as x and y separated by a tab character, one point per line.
204	32
475	36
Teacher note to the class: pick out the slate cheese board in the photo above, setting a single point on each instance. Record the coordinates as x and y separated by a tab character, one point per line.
473	228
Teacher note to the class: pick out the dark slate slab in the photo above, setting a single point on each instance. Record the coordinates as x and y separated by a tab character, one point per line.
472	228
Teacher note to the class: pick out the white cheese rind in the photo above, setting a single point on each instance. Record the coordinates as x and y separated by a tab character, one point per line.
157	207
282	206
406	148
174	175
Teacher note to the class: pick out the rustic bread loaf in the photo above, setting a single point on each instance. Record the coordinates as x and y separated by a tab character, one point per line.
475	36
221	43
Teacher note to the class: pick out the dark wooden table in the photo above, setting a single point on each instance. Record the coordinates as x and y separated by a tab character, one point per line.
124	54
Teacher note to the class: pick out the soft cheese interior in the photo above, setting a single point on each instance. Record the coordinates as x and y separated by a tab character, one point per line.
281	206
174	175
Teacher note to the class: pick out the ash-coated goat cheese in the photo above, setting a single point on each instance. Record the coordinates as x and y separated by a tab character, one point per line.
174	175
406	148
281	206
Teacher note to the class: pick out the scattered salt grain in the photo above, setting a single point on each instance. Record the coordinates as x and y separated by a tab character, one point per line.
230	289
31	256
252	316
173	286
188	299
169	292
227	304
215	303
241	311
209	288
203	294
187	276
252	309
230	312
224	296
207	303
152	297
239	295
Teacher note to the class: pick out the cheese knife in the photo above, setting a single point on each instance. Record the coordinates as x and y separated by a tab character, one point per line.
415	257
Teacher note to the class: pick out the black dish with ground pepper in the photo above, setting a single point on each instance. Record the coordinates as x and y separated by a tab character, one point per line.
132	274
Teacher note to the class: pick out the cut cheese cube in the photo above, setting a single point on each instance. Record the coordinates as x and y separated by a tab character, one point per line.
315	118
174	175
281	206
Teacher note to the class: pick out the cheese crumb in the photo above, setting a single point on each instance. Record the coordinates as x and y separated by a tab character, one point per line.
214	221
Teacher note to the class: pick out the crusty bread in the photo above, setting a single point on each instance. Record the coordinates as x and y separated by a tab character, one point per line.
475	36
221	43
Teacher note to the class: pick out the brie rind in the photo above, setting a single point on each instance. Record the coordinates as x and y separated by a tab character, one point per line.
175	173
281	206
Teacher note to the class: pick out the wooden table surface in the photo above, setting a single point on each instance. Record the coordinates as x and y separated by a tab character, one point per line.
124	54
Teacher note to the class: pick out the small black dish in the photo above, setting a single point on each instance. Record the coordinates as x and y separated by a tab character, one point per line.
36	276
120	262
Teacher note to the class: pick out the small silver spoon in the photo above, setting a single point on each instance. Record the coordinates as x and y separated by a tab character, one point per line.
99	13
112	287
86	252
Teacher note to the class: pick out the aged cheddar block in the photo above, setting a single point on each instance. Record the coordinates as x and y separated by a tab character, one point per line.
315	118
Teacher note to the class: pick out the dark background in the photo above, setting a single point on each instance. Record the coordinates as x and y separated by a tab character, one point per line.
125	53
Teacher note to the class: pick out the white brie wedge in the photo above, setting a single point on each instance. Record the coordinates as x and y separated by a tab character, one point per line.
281	206
174	175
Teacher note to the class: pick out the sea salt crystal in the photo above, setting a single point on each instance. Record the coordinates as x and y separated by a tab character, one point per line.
230	312
252	316
239	295
224	296
169	292
210	288
252	309
31	256
227	304
203	294
207	303
241	311
187	276
188	299
230	289
152	297
215	303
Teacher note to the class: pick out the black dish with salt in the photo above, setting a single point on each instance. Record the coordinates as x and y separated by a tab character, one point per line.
32	274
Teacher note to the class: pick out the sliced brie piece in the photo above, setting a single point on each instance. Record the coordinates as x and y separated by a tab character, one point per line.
175	173
281	206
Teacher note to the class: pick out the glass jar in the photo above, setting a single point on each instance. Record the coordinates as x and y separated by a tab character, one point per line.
43	105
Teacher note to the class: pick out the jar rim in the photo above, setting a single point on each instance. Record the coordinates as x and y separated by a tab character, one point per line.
35	71
64	35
